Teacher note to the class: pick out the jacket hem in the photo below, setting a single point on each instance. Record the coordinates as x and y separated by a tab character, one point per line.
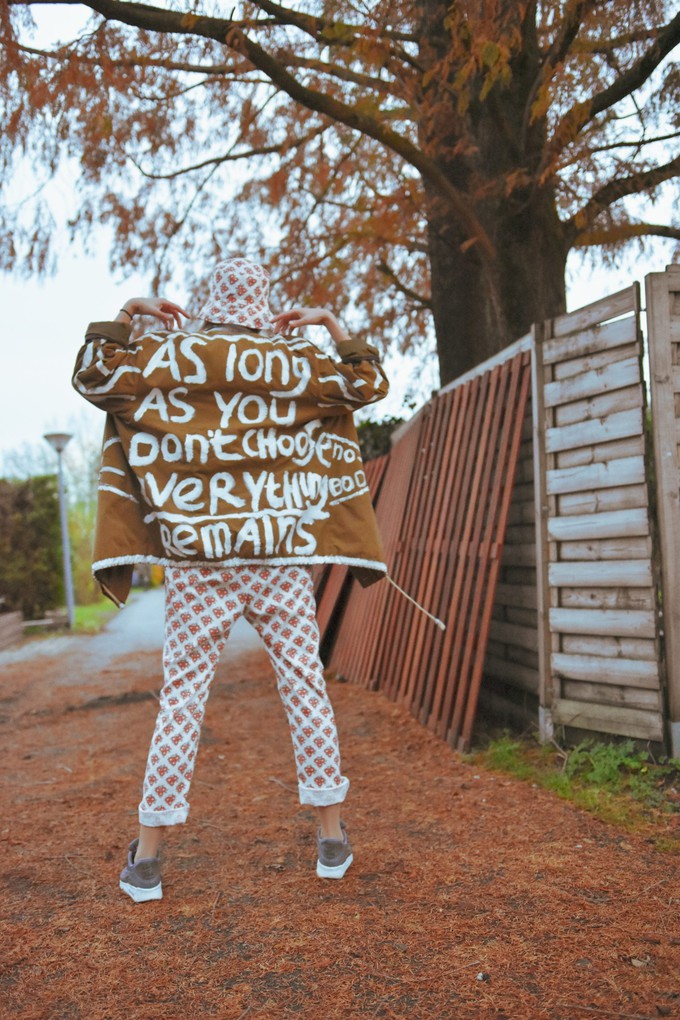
279	561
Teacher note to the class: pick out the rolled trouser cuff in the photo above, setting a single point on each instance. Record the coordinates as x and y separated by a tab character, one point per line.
324	796
154	819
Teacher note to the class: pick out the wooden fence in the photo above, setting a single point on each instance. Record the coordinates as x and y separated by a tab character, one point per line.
511	667
11	629
525	518
597	620
442	508
663	325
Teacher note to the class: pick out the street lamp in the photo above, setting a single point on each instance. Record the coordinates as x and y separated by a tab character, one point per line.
58	441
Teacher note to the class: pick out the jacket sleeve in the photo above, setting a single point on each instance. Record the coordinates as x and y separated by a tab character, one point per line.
355	380
106	372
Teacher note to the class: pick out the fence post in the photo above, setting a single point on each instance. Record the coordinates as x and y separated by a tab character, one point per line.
663	331
545	684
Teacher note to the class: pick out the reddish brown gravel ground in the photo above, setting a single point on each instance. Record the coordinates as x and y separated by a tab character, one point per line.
472	895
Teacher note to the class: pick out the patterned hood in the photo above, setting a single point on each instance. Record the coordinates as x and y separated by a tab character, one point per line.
239	294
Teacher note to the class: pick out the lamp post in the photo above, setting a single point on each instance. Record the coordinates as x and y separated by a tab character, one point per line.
58	441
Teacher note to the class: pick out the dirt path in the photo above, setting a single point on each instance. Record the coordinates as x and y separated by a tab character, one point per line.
457	873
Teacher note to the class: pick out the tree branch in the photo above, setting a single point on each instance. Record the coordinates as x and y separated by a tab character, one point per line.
615	43
308	23
337	33
616	189
179	224
412	295
210	70
624	232
221	70
230	157
575	119
321	29
555	55
638	143
341	73
243	25
353	115
560	45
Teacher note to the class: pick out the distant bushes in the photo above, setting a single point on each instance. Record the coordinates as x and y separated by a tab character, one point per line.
30	546
375	436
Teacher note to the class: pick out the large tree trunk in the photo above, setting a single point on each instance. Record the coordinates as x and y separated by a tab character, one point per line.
479	307
481	304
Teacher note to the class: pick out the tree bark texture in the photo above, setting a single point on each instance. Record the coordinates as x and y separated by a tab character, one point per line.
482	304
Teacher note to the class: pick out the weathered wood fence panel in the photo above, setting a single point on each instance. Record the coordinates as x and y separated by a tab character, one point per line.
597	615
663	325
524	520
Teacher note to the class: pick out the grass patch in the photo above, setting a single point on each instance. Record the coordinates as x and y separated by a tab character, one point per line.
90	619
617	782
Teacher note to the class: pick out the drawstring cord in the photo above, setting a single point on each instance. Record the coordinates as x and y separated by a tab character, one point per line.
437	622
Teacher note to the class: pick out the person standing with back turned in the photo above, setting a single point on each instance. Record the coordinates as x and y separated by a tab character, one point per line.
231	458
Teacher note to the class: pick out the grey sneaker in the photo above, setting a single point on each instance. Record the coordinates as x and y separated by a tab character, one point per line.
141	880
335	855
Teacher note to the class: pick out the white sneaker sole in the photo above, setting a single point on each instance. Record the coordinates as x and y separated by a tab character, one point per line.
142	895
324	871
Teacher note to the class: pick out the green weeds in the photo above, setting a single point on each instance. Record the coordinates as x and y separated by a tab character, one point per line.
619	782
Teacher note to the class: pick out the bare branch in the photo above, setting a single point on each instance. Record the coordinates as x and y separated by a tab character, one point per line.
245	24
412	295
559	48
210	70
308	23
231	157
643	180
637	143
321	29
581	113
342	73
604	46
624	232
181	223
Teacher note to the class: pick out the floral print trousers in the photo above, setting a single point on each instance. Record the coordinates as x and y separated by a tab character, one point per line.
201	606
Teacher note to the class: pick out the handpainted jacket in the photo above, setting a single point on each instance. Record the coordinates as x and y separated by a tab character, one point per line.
227	447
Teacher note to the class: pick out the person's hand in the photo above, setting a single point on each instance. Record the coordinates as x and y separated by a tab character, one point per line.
295	318
160	308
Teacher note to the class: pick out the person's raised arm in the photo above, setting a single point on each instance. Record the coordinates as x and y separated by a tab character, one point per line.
106	371
297	317
353	381
167	311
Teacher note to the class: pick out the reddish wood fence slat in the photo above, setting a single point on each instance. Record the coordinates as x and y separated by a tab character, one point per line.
360	635
442	510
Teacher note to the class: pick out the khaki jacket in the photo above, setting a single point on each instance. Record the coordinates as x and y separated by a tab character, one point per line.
226	446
